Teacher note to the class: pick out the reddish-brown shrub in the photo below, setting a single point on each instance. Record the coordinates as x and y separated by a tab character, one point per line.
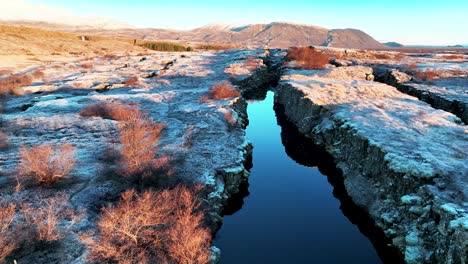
11	85
44	218
5	72
131	81
224	90
109	56
47	163
86	66
3	141
308	58
152	227
114	111
383	56
188	241
8	241
139	138
37	74
427	75
230	118
251	63
453	57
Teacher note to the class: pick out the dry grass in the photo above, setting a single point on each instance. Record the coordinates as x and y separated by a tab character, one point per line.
114	111
152	227
45	218
46	163
131	81
8	241
308	58
224	90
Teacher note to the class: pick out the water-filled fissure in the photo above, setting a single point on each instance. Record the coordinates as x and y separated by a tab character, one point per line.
290	212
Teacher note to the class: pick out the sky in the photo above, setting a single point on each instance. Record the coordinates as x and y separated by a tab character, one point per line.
431	22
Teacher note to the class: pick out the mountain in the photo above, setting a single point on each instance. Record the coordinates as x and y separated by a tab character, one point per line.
275	35
393	44
20	12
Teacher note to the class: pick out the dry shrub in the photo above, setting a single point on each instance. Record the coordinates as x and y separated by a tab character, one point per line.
224	90
308	58
45	218
427	75
139	138
37	74
187	240
383	56
46	163
12	84
114	111
8	242
453	57
86	66
109	56
152	227
3	141
5	72
251	63
230	118
131	81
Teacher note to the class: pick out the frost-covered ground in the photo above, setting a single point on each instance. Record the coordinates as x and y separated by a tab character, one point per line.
391	147
198	137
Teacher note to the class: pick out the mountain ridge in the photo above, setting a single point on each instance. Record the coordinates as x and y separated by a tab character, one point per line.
274	35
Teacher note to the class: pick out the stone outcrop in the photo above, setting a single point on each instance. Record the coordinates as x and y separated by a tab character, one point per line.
396	162
448	95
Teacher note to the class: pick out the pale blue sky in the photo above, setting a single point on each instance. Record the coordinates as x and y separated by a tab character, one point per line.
410	22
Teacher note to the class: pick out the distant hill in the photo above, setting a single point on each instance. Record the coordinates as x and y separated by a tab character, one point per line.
275	35
393	44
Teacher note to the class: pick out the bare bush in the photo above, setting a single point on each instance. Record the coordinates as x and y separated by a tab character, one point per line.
188	241
131	81
139	138
3	140
224	90
12	84
308	58
114	111
152	227
8	242
44	218
427	75
37	74
47	163
86	66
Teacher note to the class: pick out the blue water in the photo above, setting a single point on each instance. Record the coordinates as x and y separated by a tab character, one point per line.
291	215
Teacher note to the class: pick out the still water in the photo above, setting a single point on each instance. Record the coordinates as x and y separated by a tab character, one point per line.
290	215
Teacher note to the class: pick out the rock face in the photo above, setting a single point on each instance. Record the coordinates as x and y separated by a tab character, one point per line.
396	160
446	94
